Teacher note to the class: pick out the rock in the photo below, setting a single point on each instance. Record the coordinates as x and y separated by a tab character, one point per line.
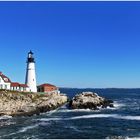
107	103
17	104
89	100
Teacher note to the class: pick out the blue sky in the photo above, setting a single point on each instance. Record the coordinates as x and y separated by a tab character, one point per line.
76	44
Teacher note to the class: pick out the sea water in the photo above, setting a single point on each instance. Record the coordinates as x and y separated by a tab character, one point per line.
122	121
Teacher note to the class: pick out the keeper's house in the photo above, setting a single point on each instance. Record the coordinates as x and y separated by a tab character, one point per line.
48	88
5	83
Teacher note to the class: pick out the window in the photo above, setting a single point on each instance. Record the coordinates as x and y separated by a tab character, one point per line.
5	86
6	79
0	86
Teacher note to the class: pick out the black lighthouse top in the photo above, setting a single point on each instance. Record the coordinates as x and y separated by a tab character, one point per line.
30	57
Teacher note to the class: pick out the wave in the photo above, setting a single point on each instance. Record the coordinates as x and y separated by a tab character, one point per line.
73	128
52	111
77	117
77	110
4	117
118	105
117	137
93	116
24	129
123	137
133	138
130	117
115	116
8	135
50	119
49	112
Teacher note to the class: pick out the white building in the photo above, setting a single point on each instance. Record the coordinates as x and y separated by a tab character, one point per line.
30	80
5	82
19	87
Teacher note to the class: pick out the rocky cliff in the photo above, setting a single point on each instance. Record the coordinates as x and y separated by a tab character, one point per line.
89	100
27	104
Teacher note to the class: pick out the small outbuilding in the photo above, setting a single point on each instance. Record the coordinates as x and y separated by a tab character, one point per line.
48	88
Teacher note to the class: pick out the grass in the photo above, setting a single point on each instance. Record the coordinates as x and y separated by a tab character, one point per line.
23	93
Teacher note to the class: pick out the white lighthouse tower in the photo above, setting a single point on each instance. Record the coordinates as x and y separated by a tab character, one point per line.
30	73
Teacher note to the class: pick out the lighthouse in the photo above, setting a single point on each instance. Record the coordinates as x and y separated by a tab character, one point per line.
30	80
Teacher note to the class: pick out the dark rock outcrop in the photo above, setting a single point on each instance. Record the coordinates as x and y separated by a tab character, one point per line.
89	100
27	104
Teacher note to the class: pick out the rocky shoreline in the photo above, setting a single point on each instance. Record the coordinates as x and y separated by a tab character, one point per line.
28	104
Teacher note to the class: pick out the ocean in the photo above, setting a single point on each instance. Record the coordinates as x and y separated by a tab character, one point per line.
122	121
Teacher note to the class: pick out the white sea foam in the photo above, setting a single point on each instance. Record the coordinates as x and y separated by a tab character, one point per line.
130	117
49	112
74	128
77	117
49	119
118	105
7	122
8	135
93	116
24	129
5	117
134	138
116	116
77	110
122	137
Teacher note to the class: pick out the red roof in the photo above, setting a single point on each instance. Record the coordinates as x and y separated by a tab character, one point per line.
15	84
46	85
23	85
5	78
